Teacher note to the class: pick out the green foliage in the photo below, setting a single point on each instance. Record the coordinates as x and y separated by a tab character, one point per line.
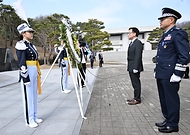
47	33
154	37
108	49
187	29
93	34
64	37
156	34
8	22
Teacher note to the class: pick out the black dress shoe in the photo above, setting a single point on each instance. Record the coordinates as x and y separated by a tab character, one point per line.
168	129
130	100
161	124
134	102
186	77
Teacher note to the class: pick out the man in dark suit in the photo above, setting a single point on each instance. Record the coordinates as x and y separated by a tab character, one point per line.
171	60
186	75
135	65
100	56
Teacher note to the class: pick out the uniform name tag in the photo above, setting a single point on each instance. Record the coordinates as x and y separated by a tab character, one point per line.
168	37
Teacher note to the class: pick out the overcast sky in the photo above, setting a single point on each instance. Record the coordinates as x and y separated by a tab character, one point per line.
114	13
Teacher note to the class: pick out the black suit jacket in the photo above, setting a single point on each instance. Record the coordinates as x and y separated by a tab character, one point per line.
134	57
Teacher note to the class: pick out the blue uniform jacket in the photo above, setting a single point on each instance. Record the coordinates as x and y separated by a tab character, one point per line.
25	51
172	54
62	55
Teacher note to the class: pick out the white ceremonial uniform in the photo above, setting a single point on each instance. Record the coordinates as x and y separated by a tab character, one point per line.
27	58
63	64
64	76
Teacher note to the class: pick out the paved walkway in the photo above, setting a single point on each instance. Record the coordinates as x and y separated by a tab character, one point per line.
60	112
109	114
106	109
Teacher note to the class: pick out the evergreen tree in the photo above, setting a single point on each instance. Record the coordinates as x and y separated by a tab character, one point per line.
94	35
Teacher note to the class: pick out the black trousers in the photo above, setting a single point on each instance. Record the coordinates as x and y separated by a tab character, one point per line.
169	101
92	63
186	75
100	63
136	83
83	73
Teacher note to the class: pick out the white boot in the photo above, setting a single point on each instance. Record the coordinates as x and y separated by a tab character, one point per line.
38	121
33	125
66	91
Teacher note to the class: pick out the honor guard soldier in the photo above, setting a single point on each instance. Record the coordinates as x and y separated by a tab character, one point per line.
63	64
29	71
171	60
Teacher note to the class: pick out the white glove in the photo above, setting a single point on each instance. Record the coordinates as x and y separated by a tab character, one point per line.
24	74
135	71
61	48
27	83
175	78
63	63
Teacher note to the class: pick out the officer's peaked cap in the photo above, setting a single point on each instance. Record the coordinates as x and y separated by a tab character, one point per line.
24	27
167	12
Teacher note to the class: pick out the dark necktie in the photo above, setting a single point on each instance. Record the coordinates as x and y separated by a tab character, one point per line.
130	43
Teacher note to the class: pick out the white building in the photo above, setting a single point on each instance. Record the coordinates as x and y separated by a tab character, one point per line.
120	41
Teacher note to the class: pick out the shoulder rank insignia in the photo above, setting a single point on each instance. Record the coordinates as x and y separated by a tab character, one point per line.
20	45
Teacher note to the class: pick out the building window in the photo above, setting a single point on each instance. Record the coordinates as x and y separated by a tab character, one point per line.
116	36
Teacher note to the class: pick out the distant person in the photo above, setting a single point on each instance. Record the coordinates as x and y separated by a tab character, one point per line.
186	75
63	65
171	60
92	58
135	65
29	70
100	56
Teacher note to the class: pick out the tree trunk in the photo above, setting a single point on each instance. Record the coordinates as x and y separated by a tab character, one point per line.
44	60
11	42
48	61
49	55
11	37
5	36
45	55
5	39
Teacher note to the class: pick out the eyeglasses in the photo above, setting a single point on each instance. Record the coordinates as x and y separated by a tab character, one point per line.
164	19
